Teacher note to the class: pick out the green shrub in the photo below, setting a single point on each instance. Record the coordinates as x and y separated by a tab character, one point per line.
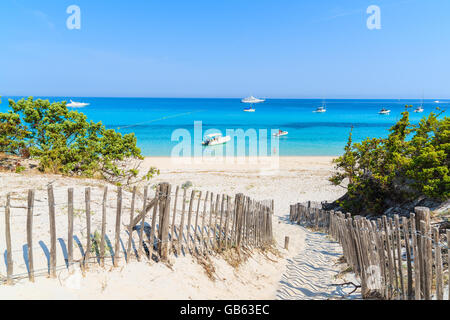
64	141
412	161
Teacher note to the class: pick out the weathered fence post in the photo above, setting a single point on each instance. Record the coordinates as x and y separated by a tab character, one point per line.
117	235
130	227
286	243
151	246
399	254
188	227
88	227
417	262
165	222
423	214
203	242
172	231
103	235
438	266
30	206
9	260
408	257
51	206
196	222
70	228
142	228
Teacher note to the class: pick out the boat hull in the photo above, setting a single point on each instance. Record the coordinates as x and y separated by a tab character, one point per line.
217	142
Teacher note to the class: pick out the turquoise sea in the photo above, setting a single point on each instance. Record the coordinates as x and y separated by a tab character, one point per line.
153	120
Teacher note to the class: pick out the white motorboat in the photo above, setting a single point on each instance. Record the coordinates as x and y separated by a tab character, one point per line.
418	110
249	109
281	133
320	110
74	104
215	139
252	100
437	101
384	111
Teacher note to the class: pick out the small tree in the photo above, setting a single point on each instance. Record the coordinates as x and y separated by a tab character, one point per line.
64	141
411	161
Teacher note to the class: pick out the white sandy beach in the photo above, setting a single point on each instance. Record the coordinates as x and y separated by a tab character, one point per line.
268	276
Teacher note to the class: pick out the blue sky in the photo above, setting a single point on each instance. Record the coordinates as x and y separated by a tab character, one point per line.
226	48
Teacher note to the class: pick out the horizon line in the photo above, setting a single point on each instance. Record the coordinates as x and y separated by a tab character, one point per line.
223	98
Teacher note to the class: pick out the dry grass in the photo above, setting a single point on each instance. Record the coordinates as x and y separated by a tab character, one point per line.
205	262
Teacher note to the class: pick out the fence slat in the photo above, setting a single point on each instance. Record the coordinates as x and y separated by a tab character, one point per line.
399	255
142	228
196	222
438	266
203	242
165	222
30	207
51	206
88	227
118	220
426	264
408	257
103	231
181	231
70	227
417	263
188	227
130	227
151	246
9	260
448	261
172	231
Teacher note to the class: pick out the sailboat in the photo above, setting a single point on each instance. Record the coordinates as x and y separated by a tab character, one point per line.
420	108
321	109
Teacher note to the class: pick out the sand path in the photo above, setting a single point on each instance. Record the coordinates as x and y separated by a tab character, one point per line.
261	277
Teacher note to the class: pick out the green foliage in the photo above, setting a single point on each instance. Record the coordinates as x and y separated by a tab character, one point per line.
413	160
64	141
20	169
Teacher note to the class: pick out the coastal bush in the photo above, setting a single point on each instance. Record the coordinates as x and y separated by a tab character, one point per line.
412	161
64	141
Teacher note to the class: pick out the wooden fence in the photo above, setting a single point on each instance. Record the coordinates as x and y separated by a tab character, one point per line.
181	222
394	258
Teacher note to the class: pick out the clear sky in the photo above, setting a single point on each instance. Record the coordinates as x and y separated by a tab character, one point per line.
226	48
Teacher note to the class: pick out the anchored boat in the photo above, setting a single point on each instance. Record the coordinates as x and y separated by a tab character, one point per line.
384	111
251	100
74	104
321	109
281	133
215	139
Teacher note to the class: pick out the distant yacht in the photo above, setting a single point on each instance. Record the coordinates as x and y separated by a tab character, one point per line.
384	111
418	110
437	101
252	99
249	109
320	110
74	104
